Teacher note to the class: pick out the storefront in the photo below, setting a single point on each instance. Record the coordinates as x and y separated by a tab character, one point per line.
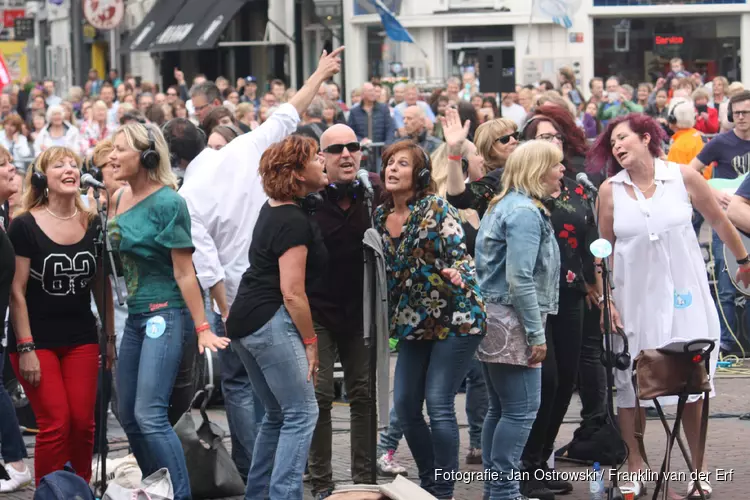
636	40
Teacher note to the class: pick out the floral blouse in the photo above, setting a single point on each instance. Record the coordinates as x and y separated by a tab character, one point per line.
574	227
422	304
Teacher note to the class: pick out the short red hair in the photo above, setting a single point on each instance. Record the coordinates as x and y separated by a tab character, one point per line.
280	161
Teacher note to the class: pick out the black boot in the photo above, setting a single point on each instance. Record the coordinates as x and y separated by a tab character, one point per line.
555	485
535	488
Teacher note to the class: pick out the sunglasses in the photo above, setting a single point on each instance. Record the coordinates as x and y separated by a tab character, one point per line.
549	137
337	149
505	139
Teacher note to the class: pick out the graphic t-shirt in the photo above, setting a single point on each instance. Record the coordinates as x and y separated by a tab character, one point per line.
731	153
144	236
259	297
58	292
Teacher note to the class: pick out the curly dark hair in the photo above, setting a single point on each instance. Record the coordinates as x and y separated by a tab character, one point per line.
574	143
280	161
419	160
600	157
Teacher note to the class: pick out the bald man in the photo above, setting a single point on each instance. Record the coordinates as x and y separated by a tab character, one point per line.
415	129
337	307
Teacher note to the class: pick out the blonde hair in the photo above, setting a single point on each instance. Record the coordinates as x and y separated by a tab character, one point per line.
553	97
439	161
33	197
700	93
136	137
100	155
99	105
486	135
733	89
525	168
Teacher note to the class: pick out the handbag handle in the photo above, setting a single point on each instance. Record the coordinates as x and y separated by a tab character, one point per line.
209	387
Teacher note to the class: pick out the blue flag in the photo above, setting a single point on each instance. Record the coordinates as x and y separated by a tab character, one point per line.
392	26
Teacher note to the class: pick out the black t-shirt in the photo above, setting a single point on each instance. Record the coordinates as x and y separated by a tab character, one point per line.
259	296
58	292
7	270
731	153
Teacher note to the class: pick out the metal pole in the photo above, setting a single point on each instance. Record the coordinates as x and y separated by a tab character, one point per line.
76	21
114	45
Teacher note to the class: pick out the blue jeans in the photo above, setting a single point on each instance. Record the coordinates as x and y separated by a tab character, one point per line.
517	390
150	356
727	296
431	371
391	435
275	359
13	448
477	402
244	408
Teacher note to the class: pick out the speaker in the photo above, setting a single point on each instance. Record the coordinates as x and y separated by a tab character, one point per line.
497	70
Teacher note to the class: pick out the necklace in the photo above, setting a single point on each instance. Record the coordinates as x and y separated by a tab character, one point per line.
58	217
644	191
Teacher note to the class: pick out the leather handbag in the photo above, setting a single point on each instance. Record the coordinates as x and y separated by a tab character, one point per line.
667	373
212	471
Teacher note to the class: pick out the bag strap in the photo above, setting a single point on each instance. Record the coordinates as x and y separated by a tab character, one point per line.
639	423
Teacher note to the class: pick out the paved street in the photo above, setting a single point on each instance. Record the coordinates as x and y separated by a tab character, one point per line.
728	441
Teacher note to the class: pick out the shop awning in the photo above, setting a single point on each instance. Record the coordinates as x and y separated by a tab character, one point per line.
152	26
198	25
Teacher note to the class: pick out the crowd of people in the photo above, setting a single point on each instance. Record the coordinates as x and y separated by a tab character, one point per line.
242	232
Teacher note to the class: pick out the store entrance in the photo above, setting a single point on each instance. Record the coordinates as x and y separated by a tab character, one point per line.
639	49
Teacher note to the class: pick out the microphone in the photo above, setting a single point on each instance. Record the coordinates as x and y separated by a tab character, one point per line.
584	181
363	176
88	180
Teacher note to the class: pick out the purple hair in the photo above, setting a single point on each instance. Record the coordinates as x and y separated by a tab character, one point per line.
600	157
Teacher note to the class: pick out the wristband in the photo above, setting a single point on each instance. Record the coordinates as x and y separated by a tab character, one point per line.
28	346
744	261
455	157
203	327
312	340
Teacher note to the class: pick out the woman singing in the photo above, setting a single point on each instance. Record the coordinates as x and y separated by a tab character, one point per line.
661	289
435	310
13	450
518	265
270	320
150	227
53	335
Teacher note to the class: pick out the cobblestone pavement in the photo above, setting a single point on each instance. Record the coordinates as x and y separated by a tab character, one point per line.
728	442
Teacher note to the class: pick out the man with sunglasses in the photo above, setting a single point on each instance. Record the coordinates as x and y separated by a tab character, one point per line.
337	307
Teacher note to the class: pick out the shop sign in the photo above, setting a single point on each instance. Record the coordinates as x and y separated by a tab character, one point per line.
210	30
668	40
104	14
23	28
10	15
174	34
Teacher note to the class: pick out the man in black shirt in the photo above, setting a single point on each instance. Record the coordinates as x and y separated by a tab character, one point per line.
337	307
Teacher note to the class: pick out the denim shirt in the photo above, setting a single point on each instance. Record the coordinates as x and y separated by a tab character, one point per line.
518	261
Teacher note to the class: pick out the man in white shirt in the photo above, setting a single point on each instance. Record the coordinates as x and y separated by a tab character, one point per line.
224	195
509	109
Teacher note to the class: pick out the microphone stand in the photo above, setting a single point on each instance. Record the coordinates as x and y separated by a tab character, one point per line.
104	371
614	492
371	342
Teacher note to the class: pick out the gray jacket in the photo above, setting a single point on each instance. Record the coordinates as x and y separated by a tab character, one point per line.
375	315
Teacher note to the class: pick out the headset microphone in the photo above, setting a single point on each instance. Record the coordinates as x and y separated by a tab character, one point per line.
88	180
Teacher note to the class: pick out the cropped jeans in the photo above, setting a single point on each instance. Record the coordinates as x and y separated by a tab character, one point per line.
150	357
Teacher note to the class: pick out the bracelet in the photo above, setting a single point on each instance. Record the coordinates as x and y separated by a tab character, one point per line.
28	346
312	340
455	157
601	300
203	327
744	261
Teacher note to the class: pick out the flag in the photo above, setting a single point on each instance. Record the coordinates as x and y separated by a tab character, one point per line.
392	26
560	11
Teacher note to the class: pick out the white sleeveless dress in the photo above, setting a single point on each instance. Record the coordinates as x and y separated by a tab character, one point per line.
661	285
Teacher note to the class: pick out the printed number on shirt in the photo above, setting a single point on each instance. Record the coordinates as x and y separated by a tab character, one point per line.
62	275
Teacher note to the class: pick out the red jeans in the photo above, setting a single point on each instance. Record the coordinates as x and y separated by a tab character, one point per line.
63	404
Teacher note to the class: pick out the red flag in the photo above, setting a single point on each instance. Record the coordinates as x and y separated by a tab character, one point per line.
4	73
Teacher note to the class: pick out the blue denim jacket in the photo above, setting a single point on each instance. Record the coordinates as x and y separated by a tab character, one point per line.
518	261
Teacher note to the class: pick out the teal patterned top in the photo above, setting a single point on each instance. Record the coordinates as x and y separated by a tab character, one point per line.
422	304
144	236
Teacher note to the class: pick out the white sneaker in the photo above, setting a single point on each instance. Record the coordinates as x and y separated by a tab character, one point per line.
388	467
17	481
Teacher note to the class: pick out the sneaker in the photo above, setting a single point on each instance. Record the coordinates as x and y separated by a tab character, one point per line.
534	488
474	457
388	467
556	486
18	480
